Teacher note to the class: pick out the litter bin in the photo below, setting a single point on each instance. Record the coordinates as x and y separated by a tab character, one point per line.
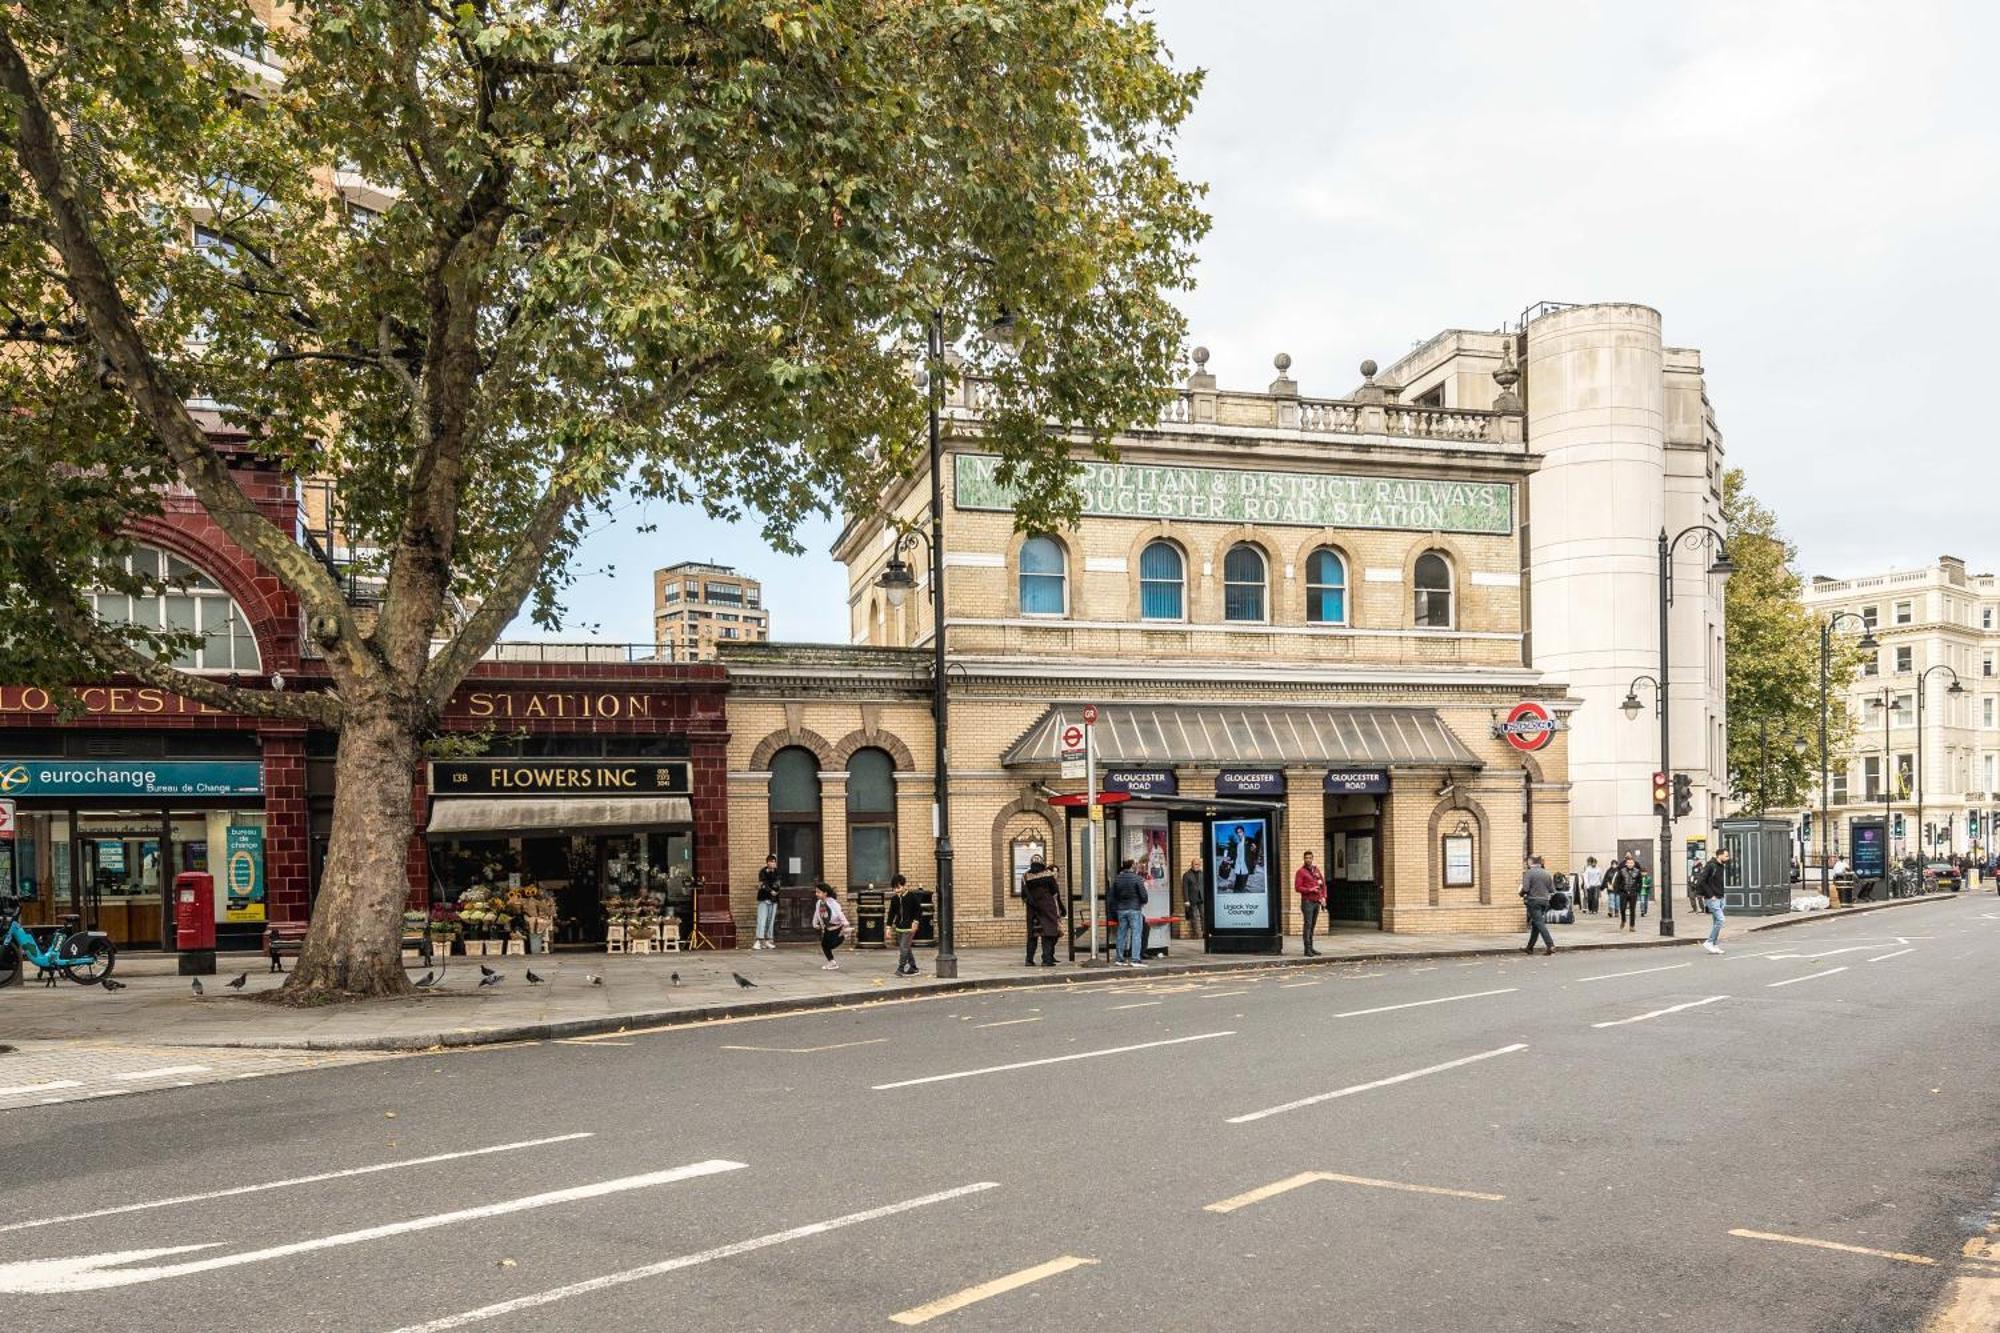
871	919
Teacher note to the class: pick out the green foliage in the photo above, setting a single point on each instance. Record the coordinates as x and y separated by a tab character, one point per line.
1773	644
667	250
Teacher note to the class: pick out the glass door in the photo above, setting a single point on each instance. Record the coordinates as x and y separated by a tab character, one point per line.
121	875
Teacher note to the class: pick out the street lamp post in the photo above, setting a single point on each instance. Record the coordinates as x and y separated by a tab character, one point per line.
1867	644
1923	677
1884	699
1699	535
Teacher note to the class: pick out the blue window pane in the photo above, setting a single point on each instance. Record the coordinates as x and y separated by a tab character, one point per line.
1160	583
1243	603
1327	606
1160	561
1040	555
1159	601
1243	565
1041	595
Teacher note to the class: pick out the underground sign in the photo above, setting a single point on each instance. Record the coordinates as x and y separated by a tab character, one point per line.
1528	727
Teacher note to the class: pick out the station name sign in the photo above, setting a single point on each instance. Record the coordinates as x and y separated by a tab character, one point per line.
1237	495
1143	781
551	777
1250	782
1359	781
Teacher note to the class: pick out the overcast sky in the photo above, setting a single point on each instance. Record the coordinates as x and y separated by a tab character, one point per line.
1809	193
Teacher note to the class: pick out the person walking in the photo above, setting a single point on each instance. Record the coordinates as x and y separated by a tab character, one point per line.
1194	884
767	904
1043	899
1626	880
1694	885
1709	885
1127	901
831	923
1310	884
1593	882
1537	885
905	911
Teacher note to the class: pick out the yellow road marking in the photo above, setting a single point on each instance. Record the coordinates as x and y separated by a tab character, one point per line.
1833	1245
987	1290
808	1050
1290	1183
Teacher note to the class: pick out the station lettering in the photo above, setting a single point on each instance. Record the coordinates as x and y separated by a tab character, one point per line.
507	705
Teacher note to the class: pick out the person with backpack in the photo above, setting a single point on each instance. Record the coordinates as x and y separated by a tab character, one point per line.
906	909
1127	902
767	904
830	921
1709	886
1042	896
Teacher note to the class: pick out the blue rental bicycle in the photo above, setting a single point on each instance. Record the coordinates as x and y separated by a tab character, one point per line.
85	956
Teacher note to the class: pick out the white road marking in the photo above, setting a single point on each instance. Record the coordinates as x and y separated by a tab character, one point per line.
1431	968
1418	1004
1378	1083
96	1272
1008	1022
1143	1004
1051	1060
1832	1245
1793	981
665	1266
170	1071
1613	976
232	1192
1221	994
986	1291
1670	1009
1289	1183
1883	958
807	1050
23	1089
1294	985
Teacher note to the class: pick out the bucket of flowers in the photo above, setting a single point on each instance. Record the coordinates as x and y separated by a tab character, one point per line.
535	916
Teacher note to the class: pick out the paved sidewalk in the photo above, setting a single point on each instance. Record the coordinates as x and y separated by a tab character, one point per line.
157	1009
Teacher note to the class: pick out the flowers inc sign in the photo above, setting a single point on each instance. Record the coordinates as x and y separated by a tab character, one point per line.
1236	495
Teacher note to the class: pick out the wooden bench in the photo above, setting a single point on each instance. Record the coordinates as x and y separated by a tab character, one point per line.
280	940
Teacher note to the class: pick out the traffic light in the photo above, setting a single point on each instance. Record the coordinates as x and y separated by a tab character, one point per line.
1972	823
1683	795
1659	793
1898	826
1805	827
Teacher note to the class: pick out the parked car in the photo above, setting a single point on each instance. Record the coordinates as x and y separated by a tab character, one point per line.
1942	877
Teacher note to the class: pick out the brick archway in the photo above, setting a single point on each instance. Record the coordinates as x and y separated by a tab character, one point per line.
862	739
1459	804
805	739
261	598
1029	804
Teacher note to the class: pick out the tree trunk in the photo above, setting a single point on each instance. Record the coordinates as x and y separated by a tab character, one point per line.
354	949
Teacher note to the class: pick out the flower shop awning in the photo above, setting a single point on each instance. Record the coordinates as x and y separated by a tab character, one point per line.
568	814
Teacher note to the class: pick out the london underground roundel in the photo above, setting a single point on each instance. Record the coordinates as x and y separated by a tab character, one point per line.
1528	726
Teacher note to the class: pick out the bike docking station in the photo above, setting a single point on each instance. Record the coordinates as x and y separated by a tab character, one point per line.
194	922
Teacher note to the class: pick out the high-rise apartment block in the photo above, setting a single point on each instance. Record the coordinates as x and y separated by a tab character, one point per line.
697	605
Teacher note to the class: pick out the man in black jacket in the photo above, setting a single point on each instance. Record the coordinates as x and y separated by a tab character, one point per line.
906	909
1626	881
767	904
1127	901
1708	882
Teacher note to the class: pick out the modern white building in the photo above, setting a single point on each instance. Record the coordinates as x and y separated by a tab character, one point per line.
1933	625
1630	450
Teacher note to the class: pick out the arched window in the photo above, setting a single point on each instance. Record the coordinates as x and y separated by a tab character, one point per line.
189	600
1162	583
1326	588
1044	577
795	815
1433	591
1243	583
871	818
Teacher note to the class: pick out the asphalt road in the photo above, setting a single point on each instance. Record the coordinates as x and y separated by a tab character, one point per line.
1533	1144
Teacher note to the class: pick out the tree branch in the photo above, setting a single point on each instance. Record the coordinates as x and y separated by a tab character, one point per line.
95	290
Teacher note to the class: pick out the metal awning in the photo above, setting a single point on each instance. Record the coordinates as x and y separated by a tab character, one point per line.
1230	734
474	814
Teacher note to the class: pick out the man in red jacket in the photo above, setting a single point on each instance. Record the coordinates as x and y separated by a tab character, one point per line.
1310	885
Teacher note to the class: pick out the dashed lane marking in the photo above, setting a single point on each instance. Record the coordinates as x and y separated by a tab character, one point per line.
1294	985
985	1291
1418	1004
1143	1004
1263	1192
808	1050
1885	957
1659	1013
1378	1083
1221	994
1793	981
665	1266
1832	1245
1051	1060
1008	1022
1639	972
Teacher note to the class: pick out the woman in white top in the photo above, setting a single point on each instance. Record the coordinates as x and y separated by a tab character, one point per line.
831	923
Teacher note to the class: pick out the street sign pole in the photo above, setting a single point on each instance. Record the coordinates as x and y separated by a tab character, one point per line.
1093	820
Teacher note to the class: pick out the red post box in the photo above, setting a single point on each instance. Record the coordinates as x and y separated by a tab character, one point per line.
194	922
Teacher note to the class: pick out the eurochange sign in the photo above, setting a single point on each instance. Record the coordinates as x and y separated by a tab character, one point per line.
1237	495
131	777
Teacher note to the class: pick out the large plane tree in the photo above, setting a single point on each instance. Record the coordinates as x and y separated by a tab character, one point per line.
670	249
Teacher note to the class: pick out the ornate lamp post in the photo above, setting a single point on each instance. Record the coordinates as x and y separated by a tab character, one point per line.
1924	852
1867	644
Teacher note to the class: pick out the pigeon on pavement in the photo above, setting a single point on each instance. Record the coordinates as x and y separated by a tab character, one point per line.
533	980
744	981
428	980
492	979
237	984
595	981
675	978
486	971
197	985
109	984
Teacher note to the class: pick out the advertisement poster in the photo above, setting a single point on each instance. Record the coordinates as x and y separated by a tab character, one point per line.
243	874
1142	838
1242	877
1867	857
1361	858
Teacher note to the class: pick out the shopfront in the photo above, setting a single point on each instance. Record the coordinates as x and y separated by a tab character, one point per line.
102	838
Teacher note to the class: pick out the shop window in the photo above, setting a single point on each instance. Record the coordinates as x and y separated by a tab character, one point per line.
1326	588
1433	596
1044	577
1162	583
795	830
184	600
871	818
1243	583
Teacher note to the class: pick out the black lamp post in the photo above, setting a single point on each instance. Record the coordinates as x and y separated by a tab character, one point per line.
896	582
1925	852
1885	699
1867	644
1692	538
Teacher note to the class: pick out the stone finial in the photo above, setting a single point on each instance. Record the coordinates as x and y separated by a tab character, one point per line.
1200	359
1201	381
1368	372
1507	375
1284	386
